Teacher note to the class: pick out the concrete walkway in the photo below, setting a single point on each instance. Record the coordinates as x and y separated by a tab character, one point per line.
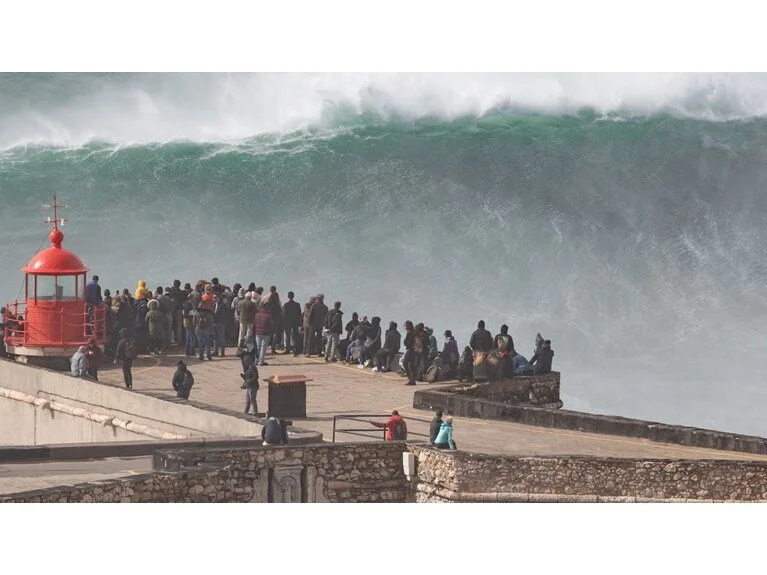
18	477
338	389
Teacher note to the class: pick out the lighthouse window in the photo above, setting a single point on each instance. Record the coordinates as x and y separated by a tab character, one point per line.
45	288
66	287
56	288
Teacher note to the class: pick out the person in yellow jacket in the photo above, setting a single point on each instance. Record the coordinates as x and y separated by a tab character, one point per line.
142	292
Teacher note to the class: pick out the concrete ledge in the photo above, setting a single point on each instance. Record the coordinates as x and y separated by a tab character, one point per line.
465	406
75	451
25	453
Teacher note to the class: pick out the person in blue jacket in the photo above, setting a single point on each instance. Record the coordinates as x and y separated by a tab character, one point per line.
93	292
519	363
445	436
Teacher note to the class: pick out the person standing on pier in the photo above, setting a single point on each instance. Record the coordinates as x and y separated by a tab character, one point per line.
291	314
263	329
250	385
126	352
334	324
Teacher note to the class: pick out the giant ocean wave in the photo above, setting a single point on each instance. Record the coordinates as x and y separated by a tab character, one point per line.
621	216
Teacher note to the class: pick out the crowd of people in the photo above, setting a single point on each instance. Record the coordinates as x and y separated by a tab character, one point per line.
211	317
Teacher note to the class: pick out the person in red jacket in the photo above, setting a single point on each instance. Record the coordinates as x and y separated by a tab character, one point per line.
396	428
263	331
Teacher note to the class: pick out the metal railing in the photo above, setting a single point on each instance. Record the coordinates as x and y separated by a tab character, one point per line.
365	432
20	332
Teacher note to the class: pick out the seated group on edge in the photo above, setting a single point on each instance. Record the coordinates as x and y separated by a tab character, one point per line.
490	358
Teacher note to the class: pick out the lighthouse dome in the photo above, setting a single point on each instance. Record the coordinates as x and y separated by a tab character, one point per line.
55	260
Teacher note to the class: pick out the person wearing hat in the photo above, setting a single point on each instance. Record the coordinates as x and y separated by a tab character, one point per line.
541	360
183	380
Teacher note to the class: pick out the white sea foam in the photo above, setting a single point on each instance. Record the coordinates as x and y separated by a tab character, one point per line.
229	108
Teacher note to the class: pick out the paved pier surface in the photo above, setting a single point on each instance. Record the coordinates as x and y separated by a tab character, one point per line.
338	389
17	477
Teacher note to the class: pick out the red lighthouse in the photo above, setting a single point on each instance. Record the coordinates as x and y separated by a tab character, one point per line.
54	319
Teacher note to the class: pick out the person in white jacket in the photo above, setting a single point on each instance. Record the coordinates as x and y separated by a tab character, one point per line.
78	362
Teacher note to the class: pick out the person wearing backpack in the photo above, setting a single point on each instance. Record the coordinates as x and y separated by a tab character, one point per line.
396	428
126	352
503	342
183	380
203	327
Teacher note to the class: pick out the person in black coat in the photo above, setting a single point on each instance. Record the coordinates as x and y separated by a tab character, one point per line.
411	358
250	385
275	431
125	353
543	358
372	343
317	315
183	380
334	325
392	343
481	340
292	316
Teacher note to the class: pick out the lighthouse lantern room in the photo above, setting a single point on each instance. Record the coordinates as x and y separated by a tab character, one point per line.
54	319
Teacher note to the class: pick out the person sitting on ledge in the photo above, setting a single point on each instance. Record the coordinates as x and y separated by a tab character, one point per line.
78	362
434	426
447	361
445	437
390	348
503	342
183	380
543	358
357	340
519	363
372	343
466	365
274	431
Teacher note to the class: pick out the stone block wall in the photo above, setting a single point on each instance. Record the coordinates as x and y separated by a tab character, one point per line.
456	401
370	472
537	390
459	476
358	472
